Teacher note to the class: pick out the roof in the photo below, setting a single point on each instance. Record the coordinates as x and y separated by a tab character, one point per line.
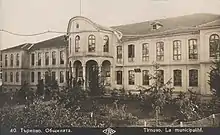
56	42
18	47
178	24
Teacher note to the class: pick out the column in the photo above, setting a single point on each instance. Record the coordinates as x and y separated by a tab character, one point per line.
112	76
84	76
100	74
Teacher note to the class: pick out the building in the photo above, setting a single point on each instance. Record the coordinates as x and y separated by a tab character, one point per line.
0	69
184	47
27	63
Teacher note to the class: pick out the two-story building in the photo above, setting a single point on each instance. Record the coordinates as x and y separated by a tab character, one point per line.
28	63
183	46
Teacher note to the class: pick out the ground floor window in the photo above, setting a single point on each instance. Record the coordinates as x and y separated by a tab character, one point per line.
146	77
131	77
177	75
119	77
193	78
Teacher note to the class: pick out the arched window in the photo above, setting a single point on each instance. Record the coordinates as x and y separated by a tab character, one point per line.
17	59
160	51
12	60
77	45
193	49
54	58
6	60
177	76
176	50
91	43
214	45
193	77
106	44
17	77
11	77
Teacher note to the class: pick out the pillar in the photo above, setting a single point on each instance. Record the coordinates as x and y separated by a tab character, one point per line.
84	76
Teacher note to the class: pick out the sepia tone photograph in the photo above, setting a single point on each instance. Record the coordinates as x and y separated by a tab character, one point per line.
109	63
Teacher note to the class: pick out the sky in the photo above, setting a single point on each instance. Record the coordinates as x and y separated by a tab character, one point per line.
34	16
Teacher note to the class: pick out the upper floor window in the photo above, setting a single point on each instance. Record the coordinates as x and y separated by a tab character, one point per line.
11	77
177	75
6	77
131	77
0	57
160	51
77	43
53	58
6	60
61	77
214	44
193	49
91	43
17	77
46	58
193	77
119	77
119	54
39	59
61	57
11	60
131	53
106	44
161	76
77	25
32	59
17	59
146	77
177	50
145	52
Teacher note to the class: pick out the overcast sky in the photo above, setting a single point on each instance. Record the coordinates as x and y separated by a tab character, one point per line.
33	16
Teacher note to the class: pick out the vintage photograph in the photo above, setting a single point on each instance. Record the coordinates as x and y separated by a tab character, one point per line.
109	63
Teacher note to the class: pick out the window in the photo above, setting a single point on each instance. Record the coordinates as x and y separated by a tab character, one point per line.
61	57
39	59
46	58
131	77
11	77
214	44
38	75
106	44
193	77
193	49
61	77
91	43
6	60
17	59
11	59
32	59
6	77
154	26
131	53
119	77
119	54
53	76
145	52
0	75
146	77
177	50
53	58
77	25
177	75
67	75
161	76
17	77
160	51
77	43
32	77
0	57
47	77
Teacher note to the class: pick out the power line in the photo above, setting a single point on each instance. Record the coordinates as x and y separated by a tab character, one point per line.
35	34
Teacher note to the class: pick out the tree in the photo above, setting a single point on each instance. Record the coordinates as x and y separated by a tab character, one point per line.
24	93
159	93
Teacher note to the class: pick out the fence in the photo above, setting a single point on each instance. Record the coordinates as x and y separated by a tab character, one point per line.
211	121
